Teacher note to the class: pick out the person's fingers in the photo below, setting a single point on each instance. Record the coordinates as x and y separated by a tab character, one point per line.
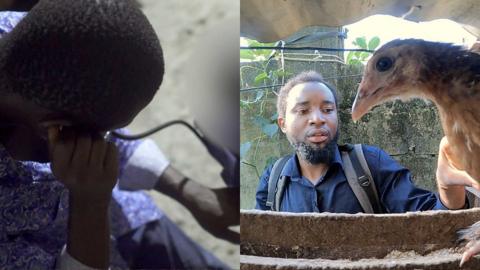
476	185
53	133
98	152
111	157
62	147
448	171
446	153
468	179
81	154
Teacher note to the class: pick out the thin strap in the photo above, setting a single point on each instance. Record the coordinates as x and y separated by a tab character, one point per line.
371	189
355	185
273	180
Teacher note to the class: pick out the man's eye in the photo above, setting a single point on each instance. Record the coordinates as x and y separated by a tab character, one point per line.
302	111
328	110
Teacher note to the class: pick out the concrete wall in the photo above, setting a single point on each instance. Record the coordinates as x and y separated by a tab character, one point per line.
421	240
409	131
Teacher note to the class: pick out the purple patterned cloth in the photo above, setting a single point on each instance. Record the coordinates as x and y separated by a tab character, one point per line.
34	212
8	20
34	205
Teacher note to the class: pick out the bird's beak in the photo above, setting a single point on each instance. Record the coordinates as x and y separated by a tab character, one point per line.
359	107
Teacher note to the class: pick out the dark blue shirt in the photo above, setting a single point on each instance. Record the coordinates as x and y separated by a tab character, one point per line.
332	192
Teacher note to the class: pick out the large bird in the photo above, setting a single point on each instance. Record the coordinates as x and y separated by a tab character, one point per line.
445	74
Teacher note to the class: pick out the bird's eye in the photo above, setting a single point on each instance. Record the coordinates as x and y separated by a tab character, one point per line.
384	64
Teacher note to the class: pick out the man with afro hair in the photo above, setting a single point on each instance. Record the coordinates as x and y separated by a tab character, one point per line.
69	72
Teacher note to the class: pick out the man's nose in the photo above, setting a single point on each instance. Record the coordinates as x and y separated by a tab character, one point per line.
316	117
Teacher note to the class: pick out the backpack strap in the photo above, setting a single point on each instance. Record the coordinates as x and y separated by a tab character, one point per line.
276	184
360	179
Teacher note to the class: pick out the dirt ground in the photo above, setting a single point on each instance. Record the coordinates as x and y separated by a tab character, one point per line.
178	24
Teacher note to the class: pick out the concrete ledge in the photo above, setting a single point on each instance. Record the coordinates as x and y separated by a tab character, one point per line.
351	237
440	260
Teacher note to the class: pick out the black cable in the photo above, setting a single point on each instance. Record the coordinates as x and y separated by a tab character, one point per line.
260	87
280	85
154	130
304	49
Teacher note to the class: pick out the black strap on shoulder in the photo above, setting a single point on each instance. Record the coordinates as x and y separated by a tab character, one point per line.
365	178
276	187
360	178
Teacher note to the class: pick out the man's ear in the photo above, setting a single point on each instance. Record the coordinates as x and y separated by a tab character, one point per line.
281	124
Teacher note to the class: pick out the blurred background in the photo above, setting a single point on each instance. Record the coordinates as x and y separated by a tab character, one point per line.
180	24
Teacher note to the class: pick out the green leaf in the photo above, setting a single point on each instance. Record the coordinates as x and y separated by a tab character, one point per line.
361	42
260	53
355	62
247	55
357	54
243	104
373	43
254	43
244	147
364	56
270	129
282	73
349	57
261	77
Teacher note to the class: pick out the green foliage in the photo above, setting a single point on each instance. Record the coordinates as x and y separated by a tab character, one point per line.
373	43
359	58
259	103
360	42
256	55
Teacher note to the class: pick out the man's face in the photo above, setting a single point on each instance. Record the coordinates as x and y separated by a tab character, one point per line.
311	121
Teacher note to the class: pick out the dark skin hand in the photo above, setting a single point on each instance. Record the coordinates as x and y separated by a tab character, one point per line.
88	166
214	209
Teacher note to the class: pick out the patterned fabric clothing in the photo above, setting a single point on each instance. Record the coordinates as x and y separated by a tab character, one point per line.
34	212
8	20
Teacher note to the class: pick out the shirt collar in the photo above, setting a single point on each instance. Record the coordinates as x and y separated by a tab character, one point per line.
292	167
15	171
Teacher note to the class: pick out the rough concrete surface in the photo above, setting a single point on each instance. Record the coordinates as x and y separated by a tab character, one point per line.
423	240
439	260
178	24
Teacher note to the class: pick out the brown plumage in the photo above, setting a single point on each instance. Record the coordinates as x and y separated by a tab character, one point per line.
447	75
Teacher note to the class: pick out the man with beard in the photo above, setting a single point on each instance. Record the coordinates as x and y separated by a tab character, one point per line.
316	181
